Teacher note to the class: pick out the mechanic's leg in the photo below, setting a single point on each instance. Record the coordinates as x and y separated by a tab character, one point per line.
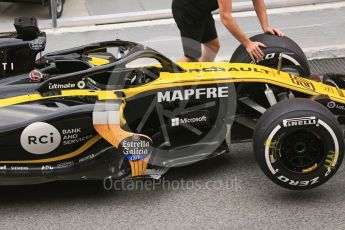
210	40
210	50
186	59
191	32
192	50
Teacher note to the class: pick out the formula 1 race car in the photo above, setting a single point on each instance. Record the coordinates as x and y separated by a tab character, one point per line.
100	111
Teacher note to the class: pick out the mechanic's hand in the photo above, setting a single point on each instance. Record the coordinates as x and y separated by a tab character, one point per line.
274	31
253	48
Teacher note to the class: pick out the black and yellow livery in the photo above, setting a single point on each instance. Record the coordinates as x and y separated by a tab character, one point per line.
99	111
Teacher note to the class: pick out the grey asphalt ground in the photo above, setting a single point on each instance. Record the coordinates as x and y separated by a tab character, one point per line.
248	201
229	192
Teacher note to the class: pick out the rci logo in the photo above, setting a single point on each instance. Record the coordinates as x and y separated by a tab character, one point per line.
40	138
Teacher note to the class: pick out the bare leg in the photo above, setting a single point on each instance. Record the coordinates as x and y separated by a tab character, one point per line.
187	59
210	51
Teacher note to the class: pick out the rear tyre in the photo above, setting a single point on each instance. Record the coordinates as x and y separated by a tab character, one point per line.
294	59
299	144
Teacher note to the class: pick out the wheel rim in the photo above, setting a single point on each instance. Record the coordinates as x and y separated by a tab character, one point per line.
302	151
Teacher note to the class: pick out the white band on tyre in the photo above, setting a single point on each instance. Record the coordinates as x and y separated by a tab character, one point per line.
276	129
336	143
267	149
294	61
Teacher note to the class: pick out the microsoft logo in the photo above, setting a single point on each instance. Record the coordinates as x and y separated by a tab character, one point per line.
181	121
175	122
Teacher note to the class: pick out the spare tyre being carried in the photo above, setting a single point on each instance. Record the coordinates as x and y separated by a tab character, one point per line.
293	59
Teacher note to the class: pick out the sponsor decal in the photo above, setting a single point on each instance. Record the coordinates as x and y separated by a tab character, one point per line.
187	94
328	89
175	122
61	86
36	76
331	105
136	147
40	138
19	168
194	120
302	82
270	56
47	168
74	136
334	105
81	84
37	45
284	179
87	158
329	162
232	69
7	66
302	121
65	164
3	168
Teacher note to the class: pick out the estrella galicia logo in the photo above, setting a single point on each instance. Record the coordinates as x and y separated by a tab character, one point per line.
136	147
40	138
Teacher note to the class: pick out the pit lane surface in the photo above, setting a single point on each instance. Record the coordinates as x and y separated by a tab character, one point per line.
232	194
315	28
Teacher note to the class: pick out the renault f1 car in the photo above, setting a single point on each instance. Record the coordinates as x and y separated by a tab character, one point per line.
100	111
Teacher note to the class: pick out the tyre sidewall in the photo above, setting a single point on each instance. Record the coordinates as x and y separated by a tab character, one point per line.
267	139
275	46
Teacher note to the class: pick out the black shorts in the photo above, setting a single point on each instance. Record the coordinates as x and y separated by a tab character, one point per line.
196	28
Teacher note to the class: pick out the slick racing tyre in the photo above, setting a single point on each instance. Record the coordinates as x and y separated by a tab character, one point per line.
293	58
298	144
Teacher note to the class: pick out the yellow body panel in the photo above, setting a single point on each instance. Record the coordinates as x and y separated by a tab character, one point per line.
227	73
200	74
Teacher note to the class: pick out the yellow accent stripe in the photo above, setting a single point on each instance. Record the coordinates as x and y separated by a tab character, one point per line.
110	95
79	151
102	95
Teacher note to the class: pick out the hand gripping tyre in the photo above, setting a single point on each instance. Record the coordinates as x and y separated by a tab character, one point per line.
298	144
293	58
